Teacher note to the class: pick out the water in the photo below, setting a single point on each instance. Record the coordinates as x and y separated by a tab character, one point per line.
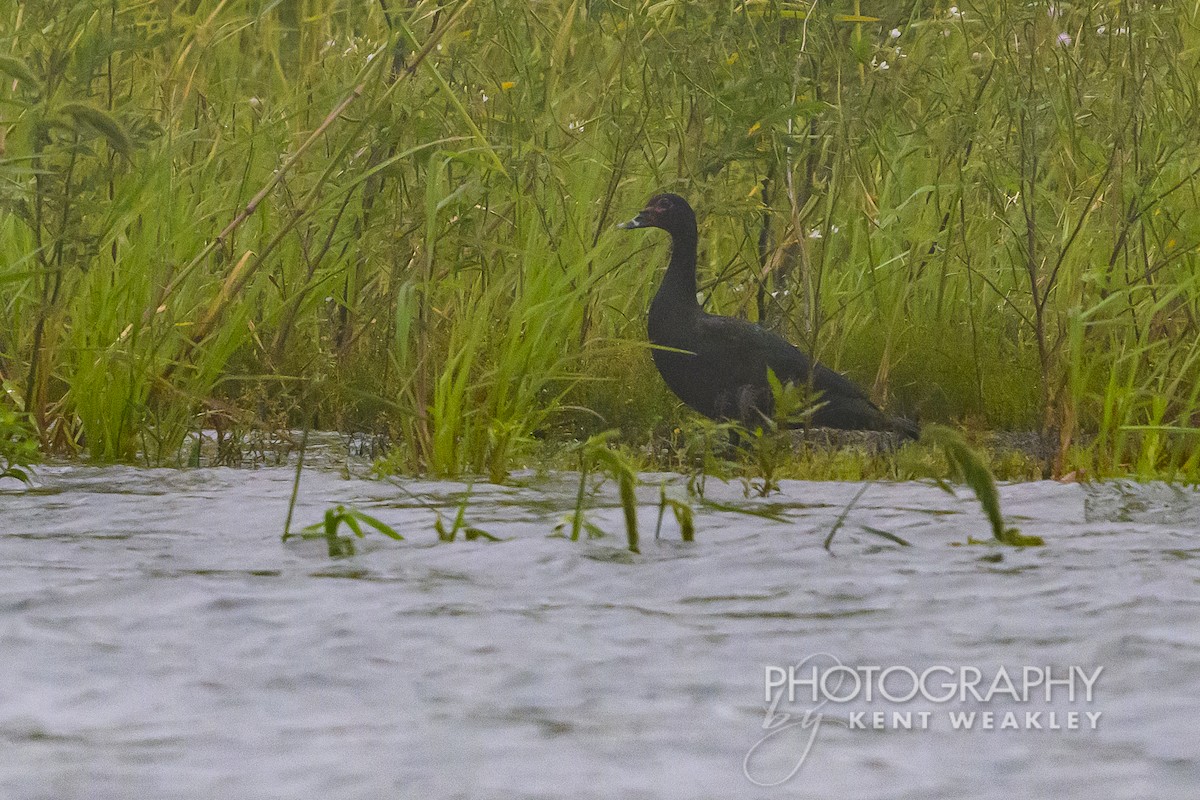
160	641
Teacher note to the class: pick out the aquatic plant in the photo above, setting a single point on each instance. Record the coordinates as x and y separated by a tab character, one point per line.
682	510
769	444
699	448
968	466
595	454
459	524
18	446
352	518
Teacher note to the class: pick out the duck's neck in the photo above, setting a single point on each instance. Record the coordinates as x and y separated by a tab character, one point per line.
678	288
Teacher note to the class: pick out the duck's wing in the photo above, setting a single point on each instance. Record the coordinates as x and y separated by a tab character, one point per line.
743	351
749	346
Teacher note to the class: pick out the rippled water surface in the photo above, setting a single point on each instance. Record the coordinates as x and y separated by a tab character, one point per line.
161	642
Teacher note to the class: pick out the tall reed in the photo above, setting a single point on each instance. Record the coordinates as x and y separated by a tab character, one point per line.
220	212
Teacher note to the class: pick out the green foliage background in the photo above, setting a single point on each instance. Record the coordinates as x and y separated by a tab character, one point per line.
399	215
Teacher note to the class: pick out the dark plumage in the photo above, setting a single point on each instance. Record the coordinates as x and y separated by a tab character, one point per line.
723	373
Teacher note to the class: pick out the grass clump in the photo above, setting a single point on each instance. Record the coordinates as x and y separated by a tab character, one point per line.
18	446
357	521
595	454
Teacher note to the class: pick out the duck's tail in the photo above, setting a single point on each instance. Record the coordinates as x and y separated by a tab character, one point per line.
905	427
859	413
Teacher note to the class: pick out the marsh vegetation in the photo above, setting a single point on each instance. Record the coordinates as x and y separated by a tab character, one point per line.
397	217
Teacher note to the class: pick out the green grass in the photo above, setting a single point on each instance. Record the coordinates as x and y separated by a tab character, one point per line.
18	448
398	217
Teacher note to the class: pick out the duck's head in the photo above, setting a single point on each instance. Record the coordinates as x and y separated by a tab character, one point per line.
667	211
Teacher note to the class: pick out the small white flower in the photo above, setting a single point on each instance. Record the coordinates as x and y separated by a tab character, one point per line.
483	94
835	228
883	65
955	13
1101	30
815	234
1064	39
894	34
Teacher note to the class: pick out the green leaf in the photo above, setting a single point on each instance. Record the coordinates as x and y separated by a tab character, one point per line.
102	122
891	537
377	524
16	472
683	515
352	523
440	528
761	513
477	533
17	69
969	467
1014	537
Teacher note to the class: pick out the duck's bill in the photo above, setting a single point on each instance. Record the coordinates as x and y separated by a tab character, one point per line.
637	222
